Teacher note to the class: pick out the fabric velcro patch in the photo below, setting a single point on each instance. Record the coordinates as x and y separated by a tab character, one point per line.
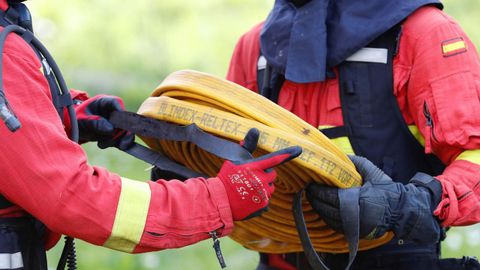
453	46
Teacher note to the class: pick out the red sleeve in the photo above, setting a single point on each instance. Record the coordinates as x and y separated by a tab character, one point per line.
78	95
48	175
243	64
443	97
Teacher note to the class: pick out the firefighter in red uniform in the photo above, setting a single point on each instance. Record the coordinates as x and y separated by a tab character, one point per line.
46	175
396	82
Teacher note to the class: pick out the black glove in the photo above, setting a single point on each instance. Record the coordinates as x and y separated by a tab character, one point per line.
93	123
407	210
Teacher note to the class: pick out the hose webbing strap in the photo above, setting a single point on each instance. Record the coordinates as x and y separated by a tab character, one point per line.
312	256
160	161
350	215
157	129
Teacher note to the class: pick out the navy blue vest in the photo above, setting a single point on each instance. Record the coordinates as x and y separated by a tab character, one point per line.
372	118
373	121
375	127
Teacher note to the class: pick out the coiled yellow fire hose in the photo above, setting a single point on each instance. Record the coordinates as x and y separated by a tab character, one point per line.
228	110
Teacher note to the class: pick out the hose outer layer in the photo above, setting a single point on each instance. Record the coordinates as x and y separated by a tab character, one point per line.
228	110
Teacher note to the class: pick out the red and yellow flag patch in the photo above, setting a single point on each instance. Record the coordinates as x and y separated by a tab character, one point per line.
453	46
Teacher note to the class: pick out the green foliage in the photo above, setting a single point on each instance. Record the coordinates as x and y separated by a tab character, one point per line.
466	12
126	48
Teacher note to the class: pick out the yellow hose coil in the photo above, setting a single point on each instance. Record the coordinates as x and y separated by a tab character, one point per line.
228	110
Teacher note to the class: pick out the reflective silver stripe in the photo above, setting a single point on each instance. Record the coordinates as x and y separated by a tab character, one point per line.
46	66
262	62
11	260
371	55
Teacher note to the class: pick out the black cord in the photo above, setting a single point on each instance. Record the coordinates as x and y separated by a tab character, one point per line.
8	112
69	251
62	85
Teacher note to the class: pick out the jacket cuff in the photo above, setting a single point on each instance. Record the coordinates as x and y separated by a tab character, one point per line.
431	184
220	199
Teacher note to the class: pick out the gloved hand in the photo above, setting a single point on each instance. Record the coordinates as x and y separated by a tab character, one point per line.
249	183
93	123
407	210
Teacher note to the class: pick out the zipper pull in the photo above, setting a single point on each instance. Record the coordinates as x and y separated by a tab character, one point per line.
218	250
428	129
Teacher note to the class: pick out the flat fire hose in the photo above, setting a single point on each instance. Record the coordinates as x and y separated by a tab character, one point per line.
228	111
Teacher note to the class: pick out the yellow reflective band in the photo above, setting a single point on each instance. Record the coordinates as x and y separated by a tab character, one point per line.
131	216
470	155
416	133
342	142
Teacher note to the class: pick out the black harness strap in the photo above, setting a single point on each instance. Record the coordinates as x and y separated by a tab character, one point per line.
269	83
157	129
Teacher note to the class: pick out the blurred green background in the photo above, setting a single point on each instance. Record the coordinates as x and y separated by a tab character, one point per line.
126	48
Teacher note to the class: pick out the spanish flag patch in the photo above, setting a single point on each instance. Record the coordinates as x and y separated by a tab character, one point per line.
453	46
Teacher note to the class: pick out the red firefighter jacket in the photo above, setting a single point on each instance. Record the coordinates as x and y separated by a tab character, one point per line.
48	176
436	64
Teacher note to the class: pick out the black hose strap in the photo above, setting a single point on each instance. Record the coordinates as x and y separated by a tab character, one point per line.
350	215
157	129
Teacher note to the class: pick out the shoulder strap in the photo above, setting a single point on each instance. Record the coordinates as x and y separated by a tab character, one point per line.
269	82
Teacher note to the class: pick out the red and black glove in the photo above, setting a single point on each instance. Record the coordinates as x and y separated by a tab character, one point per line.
93	123
249	183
